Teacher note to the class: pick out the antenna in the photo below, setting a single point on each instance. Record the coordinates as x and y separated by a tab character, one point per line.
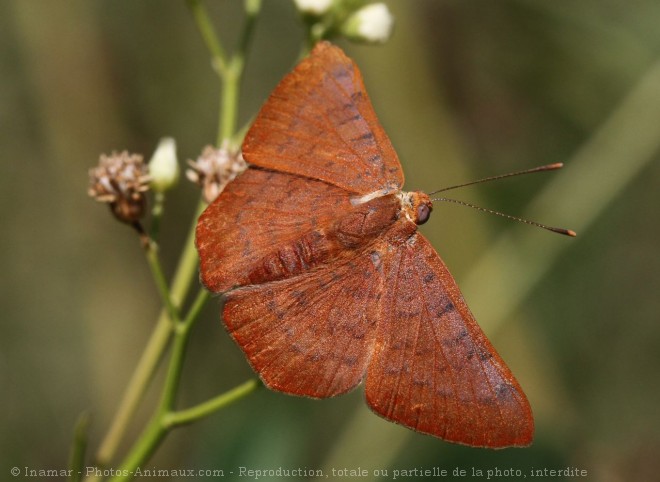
567	232
547	167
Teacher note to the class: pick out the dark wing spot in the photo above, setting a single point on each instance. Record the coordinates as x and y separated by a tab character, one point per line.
485	355
392	370
363	137
421	382
443	392
350	360
449	307
341	73
374	159
273	308
504	391
350	119
300	297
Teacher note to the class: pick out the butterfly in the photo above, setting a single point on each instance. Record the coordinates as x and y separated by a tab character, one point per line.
327	281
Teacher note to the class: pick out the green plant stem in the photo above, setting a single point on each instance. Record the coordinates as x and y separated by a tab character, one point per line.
164	421
229	102
230	71
202	410
315	33
165	417
161	283
79	447
153	353
231	74
156	215
156	429
237	139
181	335
186	270
212	41
135	391
147	443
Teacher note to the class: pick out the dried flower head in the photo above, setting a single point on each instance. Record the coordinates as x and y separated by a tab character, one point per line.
214	169
121	179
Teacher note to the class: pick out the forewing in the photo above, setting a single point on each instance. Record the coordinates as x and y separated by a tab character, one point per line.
255	227
319	123
312	334
433	369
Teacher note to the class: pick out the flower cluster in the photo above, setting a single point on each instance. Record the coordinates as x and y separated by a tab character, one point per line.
214	169
121	180
356	20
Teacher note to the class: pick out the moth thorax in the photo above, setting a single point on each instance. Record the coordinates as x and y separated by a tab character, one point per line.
416	206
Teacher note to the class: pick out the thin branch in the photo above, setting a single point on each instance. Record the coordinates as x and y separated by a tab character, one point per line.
211	406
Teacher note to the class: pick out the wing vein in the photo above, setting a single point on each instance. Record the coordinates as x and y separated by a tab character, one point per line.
348	144
391	404
438	343
414	351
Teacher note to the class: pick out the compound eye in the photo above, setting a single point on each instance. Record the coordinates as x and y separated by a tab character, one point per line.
423	213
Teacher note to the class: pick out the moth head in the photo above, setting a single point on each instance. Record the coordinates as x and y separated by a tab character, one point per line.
417	206
422	207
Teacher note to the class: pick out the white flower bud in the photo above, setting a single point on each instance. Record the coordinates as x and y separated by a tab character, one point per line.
313	7
164	166
372	23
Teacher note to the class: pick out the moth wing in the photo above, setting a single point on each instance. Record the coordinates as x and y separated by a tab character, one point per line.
319	123
433	369
311	334
257	224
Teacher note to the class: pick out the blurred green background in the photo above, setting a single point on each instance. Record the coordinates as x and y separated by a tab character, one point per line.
465	89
